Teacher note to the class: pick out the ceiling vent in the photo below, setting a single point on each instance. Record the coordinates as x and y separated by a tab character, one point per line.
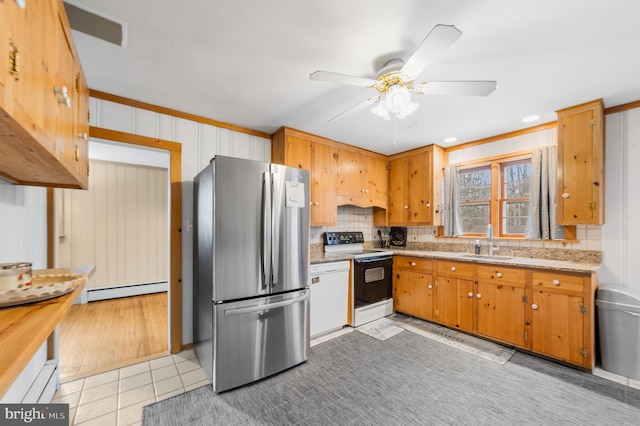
95	25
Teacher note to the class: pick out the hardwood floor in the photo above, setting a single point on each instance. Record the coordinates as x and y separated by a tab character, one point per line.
105	335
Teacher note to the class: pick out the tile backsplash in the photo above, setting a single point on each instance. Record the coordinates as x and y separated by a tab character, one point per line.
588	247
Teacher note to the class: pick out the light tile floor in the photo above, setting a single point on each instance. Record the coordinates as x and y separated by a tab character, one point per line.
116	398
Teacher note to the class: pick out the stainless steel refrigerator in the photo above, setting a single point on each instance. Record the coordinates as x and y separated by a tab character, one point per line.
251	270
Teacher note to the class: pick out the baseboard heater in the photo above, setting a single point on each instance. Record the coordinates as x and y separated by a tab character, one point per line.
105	293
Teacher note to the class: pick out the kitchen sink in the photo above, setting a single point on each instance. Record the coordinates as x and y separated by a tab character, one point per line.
485	257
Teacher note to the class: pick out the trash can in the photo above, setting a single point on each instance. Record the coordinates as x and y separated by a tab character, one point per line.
619	330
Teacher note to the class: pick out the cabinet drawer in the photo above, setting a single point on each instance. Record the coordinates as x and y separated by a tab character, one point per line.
558	281
456	269
498	273
415	263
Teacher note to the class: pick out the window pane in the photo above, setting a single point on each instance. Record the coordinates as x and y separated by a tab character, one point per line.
474	184
514	220
475	218
516	180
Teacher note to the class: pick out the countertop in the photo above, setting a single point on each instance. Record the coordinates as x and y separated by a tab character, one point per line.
525	262
24	328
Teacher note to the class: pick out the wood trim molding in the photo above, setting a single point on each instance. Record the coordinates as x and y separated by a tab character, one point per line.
174	113
623	107
545	126
175	237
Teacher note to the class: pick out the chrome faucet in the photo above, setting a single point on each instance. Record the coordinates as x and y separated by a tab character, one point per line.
490	238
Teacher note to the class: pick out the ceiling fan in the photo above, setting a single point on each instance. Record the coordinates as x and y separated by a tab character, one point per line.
396	80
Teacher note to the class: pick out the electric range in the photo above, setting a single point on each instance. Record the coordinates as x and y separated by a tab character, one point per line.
372	275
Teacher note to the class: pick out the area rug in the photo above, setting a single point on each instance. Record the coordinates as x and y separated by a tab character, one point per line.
381	329
464	342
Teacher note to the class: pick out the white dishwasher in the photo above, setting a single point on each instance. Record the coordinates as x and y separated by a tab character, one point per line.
329	299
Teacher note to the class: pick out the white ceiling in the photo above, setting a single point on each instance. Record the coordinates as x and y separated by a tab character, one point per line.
247	62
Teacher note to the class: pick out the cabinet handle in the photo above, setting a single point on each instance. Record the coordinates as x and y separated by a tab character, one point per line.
534	307
412	263
61	91
428	204
499	275
453	268
556	282
406	207
83	136
479	296
565	195
470	294
429	286
14	58
77	153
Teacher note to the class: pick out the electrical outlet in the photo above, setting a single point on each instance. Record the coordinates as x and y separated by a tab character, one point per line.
434	231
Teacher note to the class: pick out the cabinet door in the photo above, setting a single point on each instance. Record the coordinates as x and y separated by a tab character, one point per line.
557	326
63	103
413	294
350	174
581	165
398	190
454	302
297	153
28	45
81	125
376	187
323	188
501	312
420	188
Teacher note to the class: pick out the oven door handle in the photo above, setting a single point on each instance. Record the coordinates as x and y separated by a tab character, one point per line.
373	259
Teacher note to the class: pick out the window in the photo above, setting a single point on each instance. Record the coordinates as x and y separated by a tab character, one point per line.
495	192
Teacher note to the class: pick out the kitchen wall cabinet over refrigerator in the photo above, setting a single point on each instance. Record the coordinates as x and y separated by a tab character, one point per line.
581	164
305	151
43	107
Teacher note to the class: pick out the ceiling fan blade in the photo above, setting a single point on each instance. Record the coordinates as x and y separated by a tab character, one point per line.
334	77
436	42
467	88
355	108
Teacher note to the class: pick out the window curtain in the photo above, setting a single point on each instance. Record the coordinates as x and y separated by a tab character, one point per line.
450	213
543	201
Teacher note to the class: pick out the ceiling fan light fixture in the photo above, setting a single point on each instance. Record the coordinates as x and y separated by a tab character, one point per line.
396	101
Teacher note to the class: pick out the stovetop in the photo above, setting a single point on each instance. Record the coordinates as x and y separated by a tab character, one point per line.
350	243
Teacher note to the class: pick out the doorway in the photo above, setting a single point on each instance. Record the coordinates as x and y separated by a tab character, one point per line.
175	292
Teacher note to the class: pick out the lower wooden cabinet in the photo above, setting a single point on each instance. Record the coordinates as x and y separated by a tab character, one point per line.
455	294
413	289
501	303
543	311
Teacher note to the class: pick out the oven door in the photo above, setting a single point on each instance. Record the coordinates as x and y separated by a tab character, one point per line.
372	280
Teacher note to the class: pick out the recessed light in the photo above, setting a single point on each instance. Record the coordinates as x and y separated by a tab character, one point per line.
530	118
450	140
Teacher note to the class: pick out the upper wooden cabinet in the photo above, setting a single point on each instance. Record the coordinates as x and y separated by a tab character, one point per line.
581	164
415	187
305	151
42	90
362	178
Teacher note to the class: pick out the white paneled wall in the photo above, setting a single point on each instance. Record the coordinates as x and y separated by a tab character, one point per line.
23	224
504	146
200	142
621	232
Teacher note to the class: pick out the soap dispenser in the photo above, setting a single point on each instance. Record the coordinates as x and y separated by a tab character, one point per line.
477	247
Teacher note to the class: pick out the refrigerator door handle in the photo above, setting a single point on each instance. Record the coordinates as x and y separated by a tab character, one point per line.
265	235
258	308
275	233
